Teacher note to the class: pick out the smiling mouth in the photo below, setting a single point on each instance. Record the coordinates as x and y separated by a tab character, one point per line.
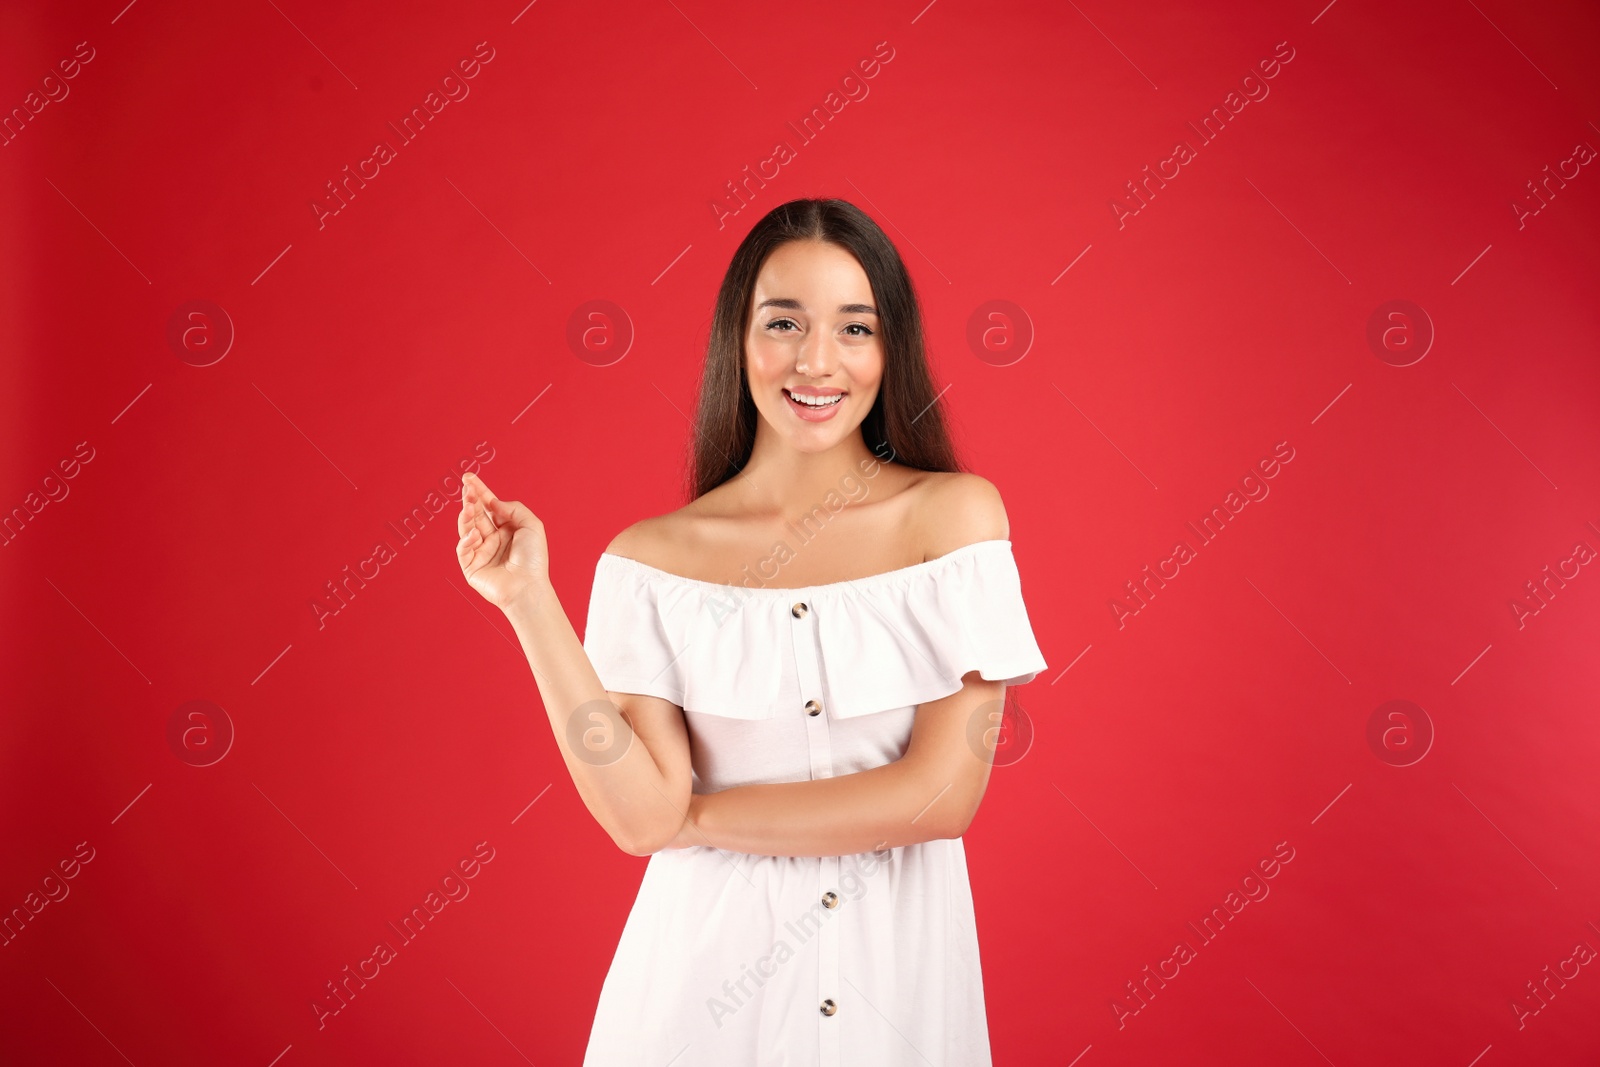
815	401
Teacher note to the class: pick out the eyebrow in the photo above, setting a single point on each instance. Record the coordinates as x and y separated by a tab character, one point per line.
794	305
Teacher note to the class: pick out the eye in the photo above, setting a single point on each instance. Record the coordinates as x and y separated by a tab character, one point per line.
775	322
858	326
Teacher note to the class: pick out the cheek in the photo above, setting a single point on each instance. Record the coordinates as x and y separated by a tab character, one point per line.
867	371
764	364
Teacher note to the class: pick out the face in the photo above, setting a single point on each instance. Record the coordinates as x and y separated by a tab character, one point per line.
814	334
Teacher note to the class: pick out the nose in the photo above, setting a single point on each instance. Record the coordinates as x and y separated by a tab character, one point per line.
818	357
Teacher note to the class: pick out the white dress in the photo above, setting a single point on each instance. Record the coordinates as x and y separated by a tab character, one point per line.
740	960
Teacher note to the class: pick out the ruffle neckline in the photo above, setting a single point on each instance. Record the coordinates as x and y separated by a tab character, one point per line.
889	640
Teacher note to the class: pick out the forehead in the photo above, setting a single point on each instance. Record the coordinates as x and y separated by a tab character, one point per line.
812	276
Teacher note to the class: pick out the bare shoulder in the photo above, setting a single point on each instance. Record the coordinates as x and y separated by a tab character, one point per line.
958	508
646	540
665	540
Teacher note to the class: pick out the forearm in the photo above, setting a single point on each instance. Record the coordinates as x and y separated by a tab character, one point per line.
626	793
896	804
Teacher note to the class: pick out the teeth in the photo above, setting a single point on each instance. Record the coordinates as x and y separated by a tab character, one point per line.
817	402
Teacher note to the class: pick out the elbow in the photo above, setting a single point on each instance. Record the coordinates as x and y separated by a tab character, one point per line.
955	827
960	815
644	841
635	846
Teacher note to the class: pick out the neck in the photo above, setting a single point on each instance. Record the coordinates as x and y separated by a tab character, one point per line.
783	482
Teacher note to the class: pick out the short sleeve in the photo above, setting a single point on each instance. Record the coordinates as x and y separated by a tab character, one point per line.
911	638
1000	644
625	636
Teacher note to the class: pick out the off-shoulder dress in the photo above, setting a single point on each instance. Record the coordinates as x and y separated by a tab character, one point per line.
864	960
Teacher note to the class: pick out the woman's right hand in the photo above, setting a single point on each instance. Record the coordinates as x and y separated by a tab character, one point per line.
502	551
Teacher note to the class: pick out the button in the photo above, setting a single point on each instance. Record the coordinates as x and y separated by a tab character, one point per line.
828	1007
830	899
799	610
813	708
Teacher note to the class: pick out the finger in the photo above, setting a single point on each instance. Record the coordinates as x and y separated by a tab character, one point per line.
507	511
480	516
471	502
468	495
467	546
491	511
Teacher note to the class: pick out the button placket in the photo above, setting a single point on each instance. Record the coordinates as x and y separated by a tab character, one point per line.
803	618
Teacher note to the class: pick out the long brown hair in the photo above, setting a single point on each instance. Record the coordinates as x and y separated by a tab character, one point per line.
906	423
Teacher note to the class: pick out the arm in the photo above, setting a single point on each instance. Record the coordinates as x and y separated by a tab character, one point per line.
628	755
931	792
639	798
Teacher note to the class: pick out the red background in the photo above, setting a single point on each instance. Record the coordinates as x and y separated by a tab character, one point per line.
1174	748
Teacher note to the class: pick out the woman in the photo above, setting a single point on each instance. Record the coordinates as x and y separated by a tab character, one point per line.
787	690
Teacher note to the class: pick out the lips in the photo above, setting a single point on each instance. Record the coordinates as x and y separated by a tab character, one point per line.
821	406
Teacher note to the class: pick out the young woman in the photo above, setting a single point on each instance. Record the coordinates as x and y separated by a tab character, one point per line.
788	689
